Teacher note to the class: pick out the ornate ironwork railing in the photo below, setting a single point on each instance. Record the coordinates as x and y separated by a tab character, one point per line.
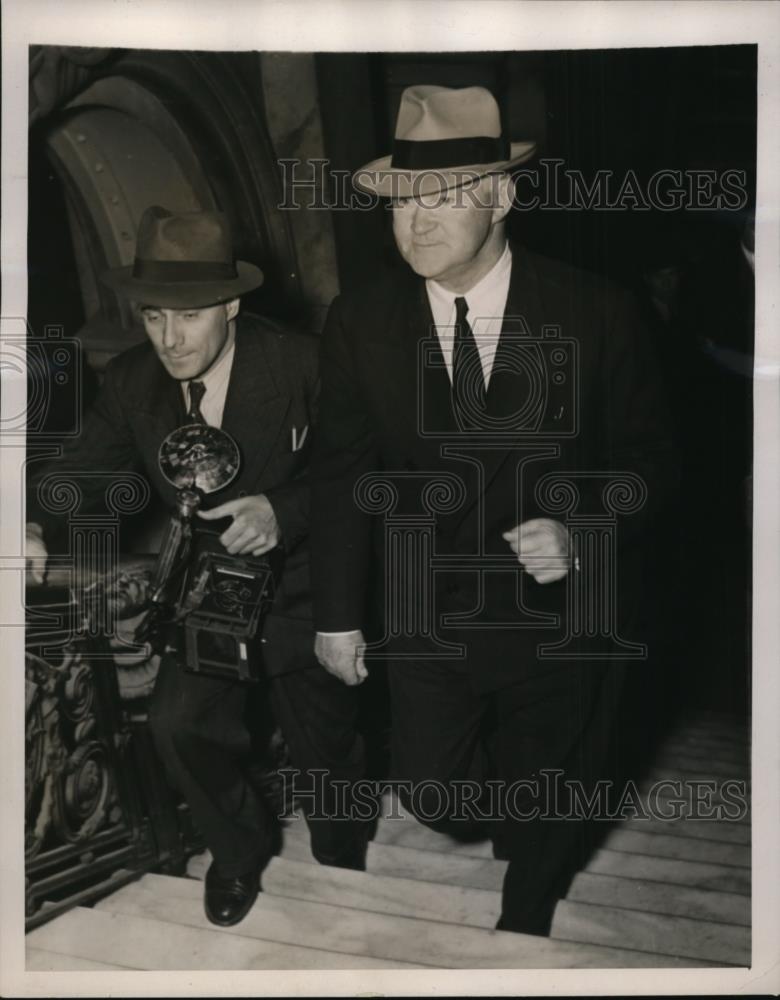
98	811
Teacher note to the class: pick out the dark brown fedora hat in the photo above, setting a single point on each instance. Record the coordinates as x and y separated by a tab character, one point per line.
183	261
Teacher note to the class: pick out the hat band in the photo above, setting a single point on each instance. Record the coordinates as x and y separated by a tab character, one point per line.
169	271
437	154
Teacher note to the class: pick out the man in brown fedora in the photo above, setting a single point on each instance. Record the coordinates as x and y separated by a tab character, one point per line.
207	361
480	387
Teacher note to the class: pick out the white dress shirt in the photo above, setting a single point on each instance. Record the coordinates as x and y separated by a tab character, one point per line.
216	379
486	304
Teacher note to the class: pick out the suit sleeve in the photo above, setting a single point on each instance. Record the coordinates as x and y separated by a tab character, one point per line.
637	431
105	445
345	448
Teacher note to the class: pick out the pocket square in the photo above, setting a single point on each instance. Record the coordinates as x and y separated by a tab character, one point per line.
298	437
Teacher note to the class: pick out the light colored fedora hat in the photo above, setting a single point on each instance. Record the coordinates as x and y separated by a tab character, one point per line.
444	137
183	261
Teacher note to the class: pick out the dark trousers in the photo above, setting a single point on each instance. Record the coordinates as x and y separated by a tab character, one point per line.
203	734
445	732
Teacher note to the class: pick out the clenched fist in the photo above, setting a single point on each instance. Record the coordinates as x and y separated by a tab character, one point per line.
542	547
342	656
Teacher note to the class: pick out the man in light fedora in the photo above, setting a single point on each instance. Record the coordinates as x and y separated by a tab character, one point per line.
205	360
467	379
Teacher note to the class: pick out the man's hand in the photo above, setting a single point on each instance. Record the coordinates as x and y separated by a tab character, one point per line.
340	657
542	548
35	552
254	528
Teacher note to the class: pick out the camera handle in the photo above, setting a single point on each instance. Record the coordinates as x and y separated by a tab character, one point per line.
175	543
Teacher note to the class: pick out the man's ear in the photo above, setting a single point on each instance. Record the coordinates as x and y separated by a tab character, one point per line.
231	309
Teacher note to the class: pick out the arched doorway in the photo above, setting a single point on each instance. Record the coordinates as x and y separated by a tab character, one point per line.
185	130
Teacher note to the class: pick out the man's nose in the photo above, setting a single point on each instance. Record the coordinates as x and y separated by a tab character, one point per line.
422	220
171	331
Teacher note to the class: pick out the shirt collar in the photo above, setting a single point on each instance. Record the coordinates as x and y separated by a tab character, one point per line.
218	372
490	284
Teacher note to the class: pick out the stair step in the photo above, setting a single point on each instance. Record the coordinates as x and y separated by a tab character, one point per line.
429	864
652	932
664	846
706	749
41	960
381	937
658	897
692	763
719	831
650	889
735	805
409	833
697	773
724	878
299	879
723	735
383	894
139	941
634	835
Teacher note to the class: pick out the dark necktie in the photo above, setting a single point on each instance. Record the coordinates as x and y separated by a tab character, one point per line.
468	382
197	392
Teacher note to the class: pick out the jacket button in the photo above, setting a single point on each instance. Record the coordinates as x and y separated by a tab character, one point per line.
242	493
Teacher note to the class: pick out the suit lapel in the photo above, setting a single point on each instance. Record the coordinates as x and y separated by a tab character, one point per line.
163	401
434	389
255	405
510	384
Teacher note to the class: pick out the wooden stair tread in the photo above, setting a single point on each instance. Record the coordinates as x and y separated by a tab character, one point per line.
719	831
697	773
652	932
410	833
41	960
660	897
657	893
140	941
713	766
431	865
642	836
383	894
724	878
295	879
379	936
707	750
734	736
662	845
735	806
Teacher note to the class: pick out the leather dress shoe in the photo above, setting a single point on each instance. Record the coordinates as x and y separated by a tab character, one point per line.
228	900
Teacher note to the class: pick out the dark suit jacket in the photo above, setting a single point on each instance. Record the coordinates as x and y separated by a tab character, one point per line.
382	410
273	388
